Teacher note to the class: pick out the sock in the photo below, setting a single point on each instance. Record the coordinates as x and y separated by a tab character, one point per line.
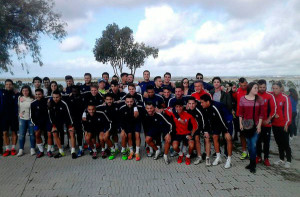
116	145
106	146
229	158
188	155
131	149
151	150
158	148
80	147
72	150
123	149
112	149
218	155
13	146
52	147
207	157
200	157
95	145
165	156
48	148
137	150
245	152
6	147
94	150
40	147
61	150
184	149
102	149
180	153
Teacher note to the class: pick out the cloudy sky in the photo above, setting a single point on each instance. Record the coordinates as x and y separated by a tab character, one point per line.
226	38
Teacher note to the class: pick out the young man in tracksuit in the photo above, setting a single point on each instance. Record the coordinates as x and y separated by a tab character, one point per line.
111	110
59	116
9	116
219	121
269	113
155	125
138	98
186	126
146	82
92	97
95	124
86	87
154	98
115	91
178	96
280	124
76	105
40	119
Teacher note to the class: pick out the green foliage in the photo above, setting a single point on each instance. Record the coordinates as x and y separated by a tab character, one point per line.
21	23
117	47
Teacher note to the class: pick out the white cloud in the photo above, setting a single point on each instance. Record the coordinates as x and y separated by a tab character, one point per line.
72	44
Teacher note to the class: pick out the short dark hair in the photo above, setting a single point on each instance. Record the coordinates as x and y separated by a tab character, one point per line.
167	73
179	86
123	74
67	77
76	87
242	80
278	83
131	75
261	82
9	80
131	85
150	103
199	74
191	98
129	96
56	92
105	73
109	95
205	97
39	90
114	82
179	102
216	78
88	74
146	71
37	78
94	86
149	87
157	77
46	79
166	88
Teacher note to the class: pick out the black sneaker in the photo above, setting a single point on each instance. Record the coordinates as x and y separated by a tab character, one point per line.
58	155
94	155
74	155
203	156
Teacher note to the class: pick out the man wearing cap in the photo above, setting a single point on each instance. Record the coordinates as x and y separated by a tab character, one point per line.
101	86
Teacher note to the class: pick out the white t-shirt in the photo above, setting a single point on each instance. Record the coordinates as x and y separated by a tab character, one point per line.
24	107
137	87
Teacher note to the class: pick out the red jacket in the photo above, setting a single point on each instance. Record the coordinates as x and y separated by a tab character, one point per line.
269	106
183	129
284	111
197	95
237	96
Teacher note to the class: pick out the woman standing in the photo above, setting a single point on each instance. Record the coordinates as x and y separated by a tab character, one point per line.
53	86
25	123
294	101
251	116
281	123
186	87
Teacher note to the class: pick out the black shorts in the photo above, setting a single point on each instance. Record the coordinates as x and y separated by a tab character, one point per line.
156	134
132	128
10	123
114	130
78	127
180	138
43	127
197	133
219	133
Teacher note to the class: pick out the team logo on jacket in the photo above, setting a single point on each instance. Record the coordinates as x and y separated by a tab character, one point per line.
89	120
105	111
98	119
38	107
125	112
213	114
61	108
185	120
197	116
155	120
91	101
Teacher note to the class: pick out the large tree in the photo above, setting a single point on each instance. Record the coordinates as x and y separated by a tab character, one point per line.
118	48
21	24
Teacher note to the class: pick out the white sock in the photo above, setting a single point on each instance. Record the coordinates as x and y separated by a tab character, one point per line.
40	147
112	149
6	147
207	157
48	148
116	145
80	147
245	152
188	155
105	146
158	148
137	149
72	150
229	158
61	150
13	146
165	156
123	149
94	150
151	149
102	149
218	155
95	145
131	149
180	153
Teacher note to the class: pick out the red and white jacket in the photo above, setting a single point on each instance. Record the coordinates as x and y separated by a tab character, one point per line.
237	96
269	106
284	111
197	95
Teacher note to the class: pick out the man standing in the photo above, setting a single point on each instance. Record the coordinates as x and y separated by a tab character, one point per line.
146	82
87	83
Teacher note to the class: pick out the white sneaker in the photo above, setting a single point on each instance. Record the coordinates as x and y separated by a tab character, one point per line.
207	161
217	161
287	164
32	151
150	154
157	153
198	161
279	162
52	148
166	159
227	164
20	153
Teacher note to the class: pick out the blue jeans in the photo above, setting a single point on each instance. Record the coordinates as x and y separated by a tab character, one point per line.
251	143
24	126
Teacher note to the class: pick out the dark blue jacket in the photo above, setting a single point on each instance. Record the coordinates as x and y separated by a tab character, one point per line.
39	112
144	85
8	103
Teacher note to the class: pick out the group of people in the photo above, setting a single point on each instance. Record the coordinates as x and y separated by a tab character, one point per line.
175	119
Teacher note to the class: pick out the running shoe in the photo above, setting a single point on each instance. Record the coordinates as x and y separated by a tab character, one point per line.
49	154
267	162
258	160
74	155
94	155
39	154
187	161
179	160
124	155
112	155
137	157
103	154
13	152
80	153
130	157
243	156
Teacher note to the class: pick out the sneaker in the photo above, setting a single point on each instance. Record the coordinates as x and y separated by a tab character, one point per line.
207	161
166	159
198	161
137	157
112	155
130	157
217	161
258	160
32	151
147	150
187	161
279	162
227	164
157	153
214	155
39	154
85	146
287	164
80	153
243	156
179	160
20	153
267	162
91	151
253	170
49	154
124	155
203	156
58	155
94	155
150	154
74	155
13	152
103	154
174	154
